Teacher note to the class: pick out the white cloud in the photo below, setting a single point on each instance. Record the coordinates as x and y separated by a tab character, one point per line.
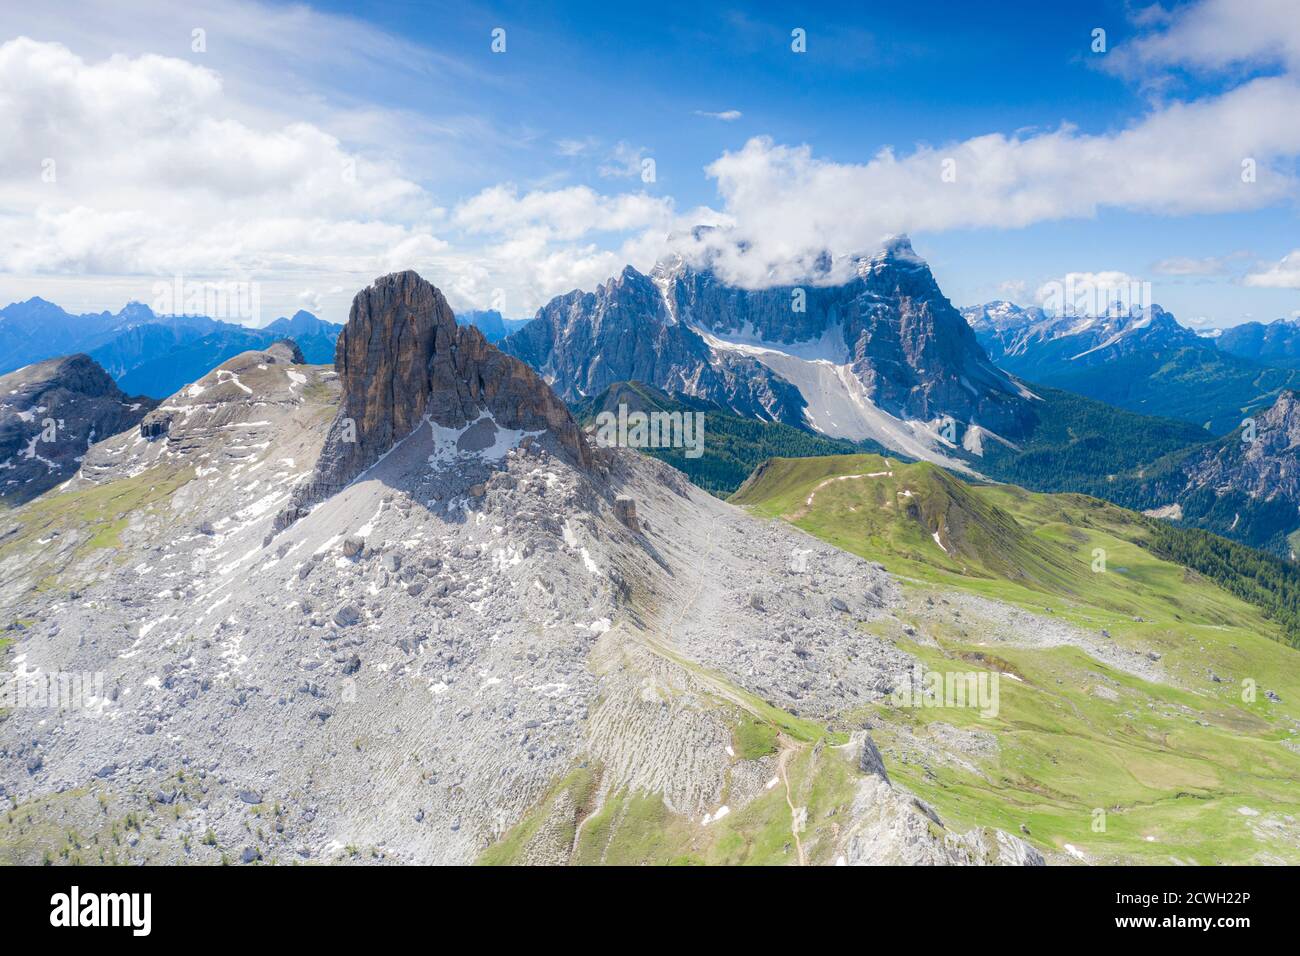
133	165
1189	266
1183	158
1014	290
624	161
542	243
1102	278
1216	35
727	116
574	147
560	214
235	162
310	300
1283	274
1093	293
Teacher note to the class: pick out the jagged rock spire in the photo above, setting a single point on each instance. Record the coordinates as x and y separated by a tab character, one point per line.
402	358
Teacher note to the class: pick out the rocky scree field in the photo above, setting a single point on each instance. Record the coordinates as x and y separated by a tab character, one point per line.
471	637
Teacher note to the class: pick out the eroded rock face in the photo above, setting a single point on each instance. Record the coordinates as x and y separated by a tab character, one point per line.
625	512
50	414
1245	485
889	324
890	827
586	341
285	352
1264	465
402	358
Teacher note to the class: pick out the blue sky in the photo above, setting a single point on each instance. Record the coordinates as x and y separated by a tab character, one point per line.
509	177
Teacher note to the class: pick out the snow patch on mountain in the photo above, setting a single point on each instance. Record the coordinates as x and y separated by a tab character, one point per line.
837	401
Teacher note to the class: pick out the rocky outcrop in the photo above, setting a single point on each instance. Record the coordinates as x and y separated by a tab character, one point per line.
50	415
685	330
402	358
888	826
870	761
1244	486
1262	460
584	342
155	427
625	512
285	352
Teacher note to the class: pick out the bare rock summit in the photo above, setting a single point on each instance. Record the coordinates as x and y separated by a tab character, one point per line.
401	360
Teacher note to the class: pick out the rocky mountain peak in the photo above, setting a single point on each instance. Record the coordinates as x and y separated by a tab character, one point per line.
302	323
1283	417
899	248
634	286
896	253
285	352
135	312
1258	462
51	412
882	355
78	373
1000	315
402	359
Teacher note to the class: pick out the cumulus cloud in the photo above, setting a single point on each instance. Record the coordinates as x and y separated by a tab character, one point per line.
1093	293
1233	151
1014	290
159	167
1184	158
529	247
132	165
1216	35
1283	274
560	214
310	300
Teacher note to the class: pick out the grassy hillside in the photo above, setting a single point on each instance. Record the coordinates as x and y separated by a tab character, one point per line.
1170	713
1007	542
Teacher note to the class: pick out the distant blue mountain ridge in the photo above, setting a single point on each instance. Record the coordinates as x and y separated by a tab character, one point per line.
147	353
490	323
156	355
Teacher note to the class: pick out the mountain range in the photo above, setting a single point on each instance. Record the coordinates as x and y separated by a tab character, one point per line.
882	357
154	355
1276	343
1116	406
510	644
884	361
1244	485
146	353
503	643
1142	360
